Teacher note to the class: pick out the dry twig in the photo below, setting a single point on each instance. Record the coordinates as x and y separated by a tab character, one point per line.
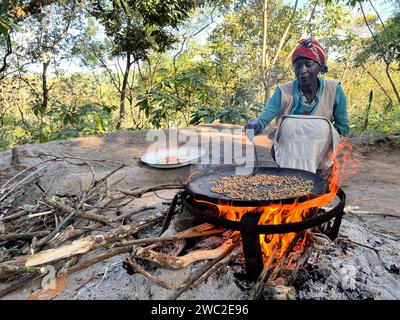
135	267
282	262
140	193
25	235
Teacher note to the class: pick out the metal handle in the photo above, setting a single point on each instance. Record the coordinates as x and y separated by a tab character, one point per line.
255	169
171	212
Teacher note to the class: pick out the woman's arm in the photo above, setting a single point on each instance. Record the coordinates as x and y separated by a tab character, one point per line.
270	111
340	115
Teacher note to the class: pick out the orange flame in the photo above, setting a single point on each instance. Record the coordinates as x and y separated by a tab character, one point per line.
344	165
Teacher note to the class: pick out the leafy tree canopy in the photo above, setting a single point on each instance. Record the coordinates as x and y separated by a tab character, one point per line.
138	26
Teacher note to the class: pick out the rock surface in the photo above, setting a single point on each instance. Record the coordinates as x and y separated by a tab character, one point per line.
348	268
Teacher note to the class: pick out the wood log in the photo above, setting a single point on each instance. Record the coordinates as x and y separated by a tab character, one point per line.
355	210
97	259
357	243
300	264
282	262
14	216
19	184
172	262
91	215
90	242
74	233
261	281
104	179
131	211
98	218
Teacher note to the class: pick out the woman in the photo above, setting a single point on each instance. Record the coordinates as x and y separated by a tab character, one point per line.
311	113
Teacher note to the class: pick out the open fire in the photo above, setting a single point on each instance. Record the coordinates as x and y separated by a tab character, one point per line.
280	214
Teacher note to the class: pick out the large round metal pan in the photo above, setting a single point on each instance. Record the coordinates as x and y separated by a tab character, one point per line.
200	186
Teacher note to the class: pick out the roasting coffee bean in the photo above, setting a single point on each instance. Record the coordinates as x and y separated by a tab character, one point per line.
262	187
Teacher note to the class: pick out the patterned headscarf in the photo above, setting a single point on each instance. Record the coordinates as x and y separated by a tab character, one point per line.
311	49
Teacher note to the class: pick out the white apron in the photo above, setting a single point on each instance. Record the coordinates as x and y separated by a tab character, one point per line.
304	142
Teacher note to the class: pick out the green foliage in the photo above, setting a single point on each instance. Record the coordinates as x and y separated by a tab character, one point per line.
75	110
380	120
88	120
6	24
195	82
200	89
351	3
173	97
385	45
58	123
231	114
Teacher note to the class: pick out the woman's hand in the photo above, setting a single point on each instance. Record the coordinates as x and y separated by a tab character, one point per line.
253	124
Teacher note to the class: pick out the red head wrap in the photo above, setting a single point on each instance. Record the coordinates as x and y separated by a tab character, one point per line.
310	49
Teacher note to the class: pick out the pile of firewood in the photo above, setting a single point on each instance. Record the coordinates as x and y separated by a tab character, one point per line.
58	229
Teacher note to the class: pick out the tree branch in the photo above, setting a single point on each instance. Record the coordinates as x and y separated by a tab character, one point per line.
104	65
8	52
282	42
377	13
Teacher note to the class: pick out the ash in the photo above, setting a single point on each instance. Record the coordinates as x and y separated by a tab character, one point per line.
362	263
339	270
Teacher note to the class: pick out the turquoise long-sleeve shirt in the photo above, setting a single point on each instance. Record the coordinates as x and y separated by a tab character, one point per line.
340	115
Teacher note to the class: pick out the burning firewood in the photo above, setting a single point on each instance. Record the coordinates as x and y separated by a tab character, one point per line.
258	287
203	273
263	282
220	256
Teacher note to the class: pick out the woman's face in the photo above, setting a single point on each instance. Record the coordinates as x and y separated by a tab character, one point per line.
306	71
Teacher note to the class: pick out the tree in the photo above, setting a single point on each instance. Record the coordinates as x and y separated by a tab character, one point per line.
137	27
47	42
183	80
268	62
383	45
6	50
246	57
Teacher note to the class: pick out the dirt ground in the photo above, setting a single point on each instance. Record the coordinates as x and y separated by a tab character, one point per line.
374	188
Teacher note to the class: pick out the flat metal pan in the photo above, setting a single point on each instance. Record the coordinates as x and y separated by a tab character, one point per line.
200	187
